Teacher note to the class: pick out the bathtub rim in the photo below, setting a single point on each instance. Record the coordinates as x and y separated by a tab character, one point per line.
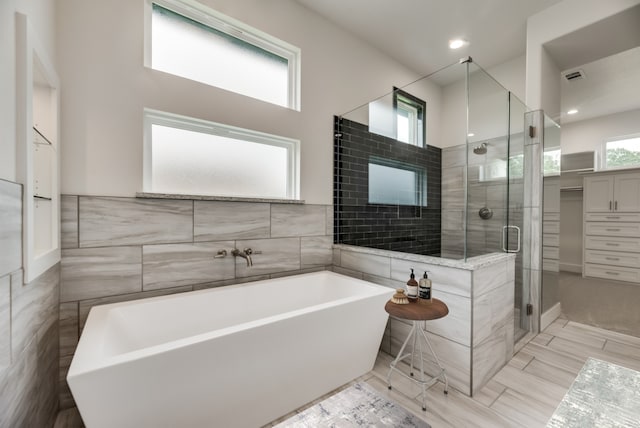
89	355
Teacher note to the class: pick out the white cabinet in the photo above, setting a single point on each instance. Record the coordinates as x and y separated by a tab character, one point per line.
612	226
618	192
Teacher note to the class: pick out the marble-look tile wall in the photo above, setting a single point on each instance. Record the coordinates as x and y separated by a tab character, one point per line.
28	327
119	249
483	191
476	338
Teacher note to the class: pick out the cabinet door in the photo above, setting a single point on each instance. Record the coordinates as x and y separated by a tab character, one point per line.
627	193
598	193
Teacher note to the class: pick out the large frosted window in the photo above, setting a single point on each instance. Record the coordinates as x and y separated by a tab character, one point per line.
187	156
206	46
395	184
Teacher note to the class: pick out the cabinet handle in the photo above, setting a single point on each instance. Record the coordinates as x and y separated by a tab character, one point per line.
612	258
615	206
612	273
612	230
610	205
613	217
612	245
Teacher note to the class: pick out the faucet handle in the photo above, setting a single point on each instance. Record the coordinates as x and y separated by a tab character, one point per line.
220	254
249	251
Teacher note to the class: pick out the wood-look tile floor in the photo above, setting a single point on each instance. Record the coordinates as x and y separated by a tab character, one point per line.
525	393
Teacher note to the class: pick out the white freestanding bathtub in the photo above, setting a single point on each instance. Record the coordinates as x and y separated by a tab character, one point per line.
238	356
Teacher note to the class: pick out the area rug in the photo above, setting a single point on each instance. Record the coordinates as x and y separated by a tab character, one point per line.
604	395
357	406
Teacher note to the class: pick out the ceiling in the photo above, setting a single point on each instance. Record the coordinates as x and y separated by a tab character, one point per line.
611	85
416	33
608	52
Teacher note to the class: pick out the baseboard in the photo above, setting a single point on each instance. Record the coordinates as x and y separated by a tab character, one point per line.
550	316
570	267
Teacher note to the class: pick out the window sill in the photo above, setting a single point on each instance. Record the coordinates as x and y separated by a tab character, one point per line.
149	195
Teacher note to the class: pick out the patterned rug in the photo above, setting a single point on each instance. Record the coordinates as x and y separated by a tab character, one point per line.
357	406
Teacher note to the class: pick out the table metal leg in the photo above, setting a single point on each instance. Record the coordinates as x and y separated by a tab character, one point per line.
417	340
399	357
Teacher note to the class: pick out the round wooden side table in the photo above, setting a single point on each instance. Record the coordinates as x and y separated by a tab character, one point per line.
418	312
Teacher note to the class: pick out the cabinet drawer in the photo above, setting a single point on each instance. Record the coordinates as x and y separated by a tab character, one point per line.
613	258
612	217
552	217
551	240
611	272
551	227
615	244
550	253
609	229
550	265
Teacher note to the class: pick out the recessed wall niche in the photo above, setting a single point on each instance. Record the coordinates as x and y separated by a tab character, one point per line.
37	91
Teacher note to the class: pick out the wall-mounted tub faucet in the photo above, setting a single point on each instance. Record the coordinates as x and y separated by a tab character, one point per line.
245	254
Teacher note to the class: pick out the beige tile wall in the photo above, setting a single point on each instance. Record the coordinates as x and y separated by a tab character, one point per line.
119	249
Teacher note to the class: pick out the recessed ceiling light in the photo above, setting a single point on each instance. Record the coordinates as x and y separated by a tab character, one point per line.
457	43
470	134
572	111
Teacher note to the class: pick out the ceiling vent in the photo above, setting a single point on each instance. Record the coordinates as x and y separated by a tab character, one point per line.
574	75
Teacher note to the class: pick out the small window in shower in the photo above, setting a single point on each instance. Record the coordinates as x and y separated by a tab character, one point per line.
396	183
190	40
622	152
409	118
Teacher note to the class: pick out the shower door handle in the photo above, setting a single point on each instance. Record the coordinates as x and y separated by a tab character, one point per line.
505	246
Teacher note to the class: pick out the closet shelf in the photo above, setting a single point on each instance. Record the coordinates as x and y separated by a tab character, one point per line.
571	189
42	198
568	171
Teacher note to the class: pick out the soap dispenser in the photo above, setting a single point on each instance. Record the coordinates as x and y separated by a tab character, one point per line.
412	288
424	292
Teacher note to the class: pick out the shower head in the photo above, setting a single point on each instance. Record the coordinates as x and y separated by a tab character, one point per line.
481	149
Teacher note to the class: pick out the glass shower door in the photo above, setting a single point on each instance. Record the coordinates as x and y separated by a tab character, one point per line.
515	224
487	162
495	180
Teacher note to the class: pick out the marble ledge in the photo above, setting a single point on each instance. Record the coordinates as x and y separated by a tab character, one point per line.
472	263
148	195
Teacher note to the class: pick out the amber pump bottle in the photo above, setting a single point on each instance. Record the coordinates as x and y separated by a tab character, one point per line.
412	288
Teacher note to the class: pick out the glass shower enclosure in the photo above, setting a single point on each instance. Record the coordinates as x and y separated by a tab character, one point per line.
443	167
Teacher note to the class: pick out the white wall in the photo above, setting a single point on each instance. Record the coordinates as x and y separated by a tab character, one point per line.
550	94
106	87
41	16
487	121
511	75
587	135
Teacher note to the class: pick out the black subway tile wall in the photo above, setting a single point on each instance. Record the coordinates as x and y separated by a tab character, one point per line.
407	228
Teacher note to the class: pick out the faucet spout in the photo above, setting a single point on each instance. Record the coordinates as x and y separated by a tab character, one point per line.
244	254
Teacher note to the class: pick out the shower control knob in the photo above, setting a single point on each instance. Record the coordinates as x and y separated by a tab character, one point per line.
485	213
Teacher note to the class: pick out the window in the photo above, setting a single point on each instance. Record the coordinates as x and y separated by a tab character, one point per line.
409	116
196	157
396	183
192	41
622	152
551	162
